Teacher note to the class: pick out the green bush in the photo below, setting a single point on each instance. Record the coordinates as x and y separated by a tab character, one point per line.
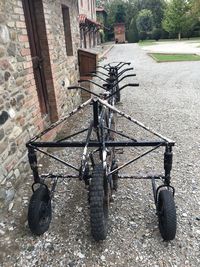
172	35
164	34
143	35
132	34
156	34
102	36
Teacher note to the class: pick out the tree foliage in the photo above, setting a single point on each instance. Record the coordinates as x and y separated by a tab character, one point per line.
133	36
144	20
175	17
169	17
112	8
120	14
157	8
195	7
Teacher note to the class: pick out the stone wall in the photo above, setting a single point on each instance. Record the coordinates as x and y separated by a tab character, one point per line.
20	113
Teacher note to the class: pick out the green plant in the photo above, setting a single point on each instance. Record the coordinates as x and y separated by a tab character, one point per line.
132	35
156	34
142	35
144	21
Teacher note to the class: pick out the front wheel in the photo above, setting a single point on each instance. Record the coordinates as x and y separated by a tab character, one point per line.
39	211
98	204
166	215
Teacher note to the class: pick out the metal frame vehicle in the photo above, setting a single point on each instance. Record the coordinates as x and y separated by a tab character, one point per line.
98	168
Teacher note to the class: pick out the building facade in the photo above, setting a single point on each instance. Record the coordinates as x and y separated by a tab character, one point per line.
38	60
89	27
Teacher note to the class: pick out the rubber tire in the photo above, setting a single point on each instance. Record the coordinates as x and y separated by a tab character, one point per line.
98	205
166	215
118	95
39	211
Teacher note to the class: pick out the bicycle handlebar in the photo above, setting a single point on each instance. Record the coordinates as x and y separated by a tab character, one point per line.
123	71
126	76
92	74
118	65
90	81
109	66
123	64
95	75
101	73
113	82
102	68
85	89
82	88
126	85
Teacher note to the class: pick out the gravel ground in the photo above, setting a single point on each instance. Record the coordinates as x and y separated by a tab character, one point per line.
168	101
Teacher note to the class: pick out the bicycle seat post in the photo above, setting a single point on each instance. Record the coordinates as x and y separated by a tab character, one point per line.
95	113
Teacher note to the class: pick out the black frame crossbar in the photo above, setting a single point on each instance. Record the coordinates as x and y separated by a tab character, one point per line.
99	144
34	145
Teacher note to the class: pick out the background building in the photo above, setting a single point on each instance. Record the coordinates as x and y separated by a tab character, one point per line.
89	27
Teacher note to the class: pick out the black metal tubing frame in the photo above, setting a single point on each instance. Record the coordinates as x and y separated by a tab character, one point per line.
101	144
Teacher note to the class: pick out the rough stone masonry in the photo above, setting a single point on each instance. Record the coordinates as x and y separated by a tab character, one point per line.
20	115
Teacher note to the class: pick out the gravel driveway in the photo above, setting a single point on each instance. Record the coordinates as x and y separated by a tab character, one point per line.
168	100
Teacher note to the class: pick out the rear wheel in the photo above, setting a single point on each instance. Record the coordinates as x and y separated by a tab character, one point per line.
39	211
118	94
98	204
166	215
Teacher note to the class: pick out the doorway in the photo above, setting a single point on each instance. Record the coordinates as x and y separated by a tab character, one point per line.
35	23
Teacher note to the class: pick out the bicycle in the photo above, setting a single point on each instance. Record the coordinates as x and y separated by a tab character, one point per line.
100	175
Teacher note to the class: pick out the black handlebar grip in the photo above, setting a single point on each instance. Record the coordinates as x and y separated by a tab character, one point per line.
73	87
133	84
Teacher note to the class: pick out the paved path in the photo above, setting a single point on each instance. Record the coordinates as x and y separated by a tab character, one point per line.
168	101
180	47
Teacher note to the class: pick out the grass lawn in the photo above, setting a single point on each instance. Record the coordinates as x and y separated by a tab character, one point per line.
174	57
147	42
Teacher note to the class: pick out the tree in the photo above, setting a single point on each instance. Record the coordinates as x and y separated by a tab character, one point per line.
175	17
111	7
157	8
120	14
144	21
195	8
129	8
189	25
132	35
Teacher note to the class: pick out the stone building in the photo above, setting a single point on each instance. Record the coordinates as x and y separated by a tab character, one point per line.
89	27
38	60
119	31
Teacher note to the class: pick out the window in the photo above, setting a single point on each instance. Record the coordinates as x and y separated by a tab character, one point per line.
67	30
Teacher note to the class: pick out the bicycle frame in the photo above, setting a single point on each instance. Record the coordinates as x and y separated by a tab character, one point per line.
101	145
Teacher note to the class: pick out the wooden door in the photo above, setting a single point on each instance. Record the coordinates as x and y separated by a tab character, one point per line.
32	23
87	63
